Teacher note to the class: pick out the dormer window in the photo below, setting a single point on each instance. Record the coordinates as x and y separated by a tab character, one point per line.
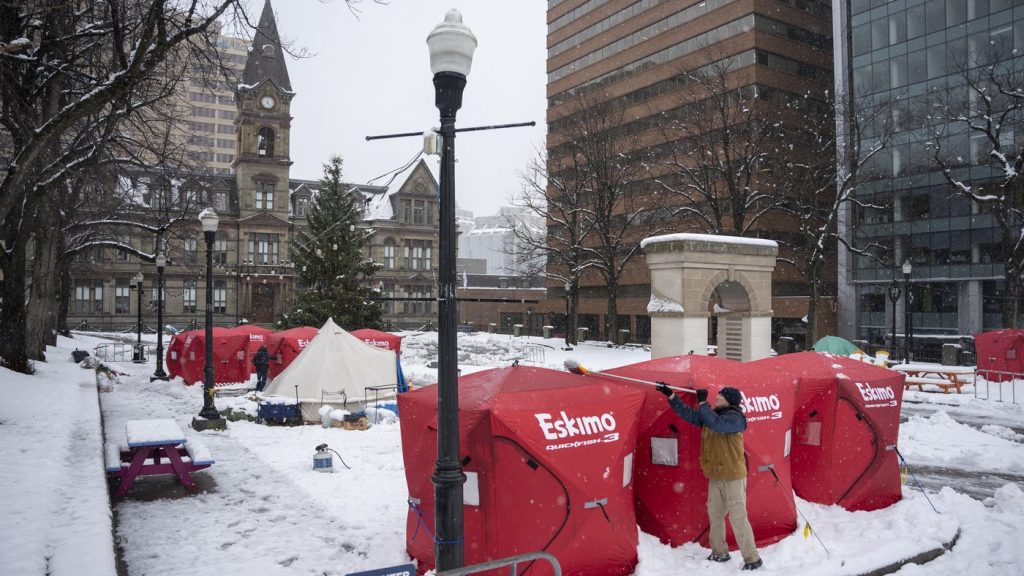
268	51
265	142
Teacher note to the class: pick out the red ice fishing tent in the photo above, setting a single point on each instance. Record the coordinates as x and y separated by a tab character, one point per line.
230	356
257	335
173	358
845	428
671	490
385	340
548	457
285	346
1000	351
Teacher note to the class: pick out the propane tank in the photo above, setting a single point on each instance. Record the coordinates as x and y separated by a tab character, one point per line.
322	460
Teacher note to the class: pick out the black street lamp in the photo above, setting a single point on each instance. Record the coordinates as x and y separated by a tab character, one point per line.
138	357
451	46
568	321
159	374
209	417
894	297
908	323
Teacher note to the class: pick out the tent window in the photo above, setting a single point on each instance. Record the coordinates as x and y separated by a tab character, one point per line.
627	469
471	489
665	451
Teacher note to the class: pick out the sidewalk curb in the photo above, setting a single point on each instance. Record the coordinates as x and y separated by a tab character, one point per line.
921	558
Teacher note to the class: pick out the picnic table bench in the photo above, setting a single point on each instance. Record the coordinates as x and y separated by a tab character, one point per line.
944	377
155	447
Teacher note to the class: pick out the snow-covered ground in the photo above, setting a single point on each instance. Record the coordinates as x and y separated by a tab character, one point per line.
263	511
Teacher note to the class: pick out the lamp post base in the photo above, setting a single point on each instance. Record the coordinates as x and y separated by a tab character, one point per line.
199	423
161	375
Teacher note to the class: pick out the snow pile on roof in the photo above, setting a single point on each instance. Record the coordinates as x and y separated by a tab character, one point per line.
708	238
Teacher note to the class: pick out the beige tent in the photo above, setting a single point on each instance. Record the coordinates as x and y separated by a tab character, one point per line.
337	369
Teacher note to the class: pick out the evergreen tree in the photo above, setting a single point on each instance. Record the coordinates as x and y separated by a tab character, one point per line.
330	266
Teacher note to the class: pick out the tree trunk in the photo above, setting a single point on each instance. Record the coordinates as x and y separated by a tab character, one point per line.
41	313
63	295
574	312
812	307
611	325
1011	297
13	351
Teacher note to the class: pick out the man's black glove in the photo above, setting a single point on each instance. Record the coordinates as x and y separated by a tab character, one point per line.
702	395
664	389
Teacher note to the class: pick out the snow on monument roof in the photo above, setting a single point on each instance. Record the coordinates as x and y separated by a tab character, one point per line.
708	238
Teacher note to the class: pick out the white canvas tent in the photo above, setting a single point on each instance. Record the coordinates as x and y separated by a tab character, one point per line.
334	369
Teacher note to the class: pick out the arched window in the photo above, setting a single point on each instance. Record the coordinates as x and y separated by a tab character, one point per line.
265	142
390	251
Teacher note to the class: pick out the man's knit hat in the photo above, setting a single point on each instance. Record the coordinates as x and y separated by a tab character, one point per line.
731	395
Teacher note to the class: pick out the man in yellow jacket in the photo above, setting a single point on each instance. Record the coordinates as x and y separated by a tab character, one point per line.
724	465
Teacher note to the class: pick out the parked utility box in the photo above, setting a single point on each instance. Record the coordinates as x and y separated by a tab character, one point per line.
517	330
623	336
581	334
951	354
548	330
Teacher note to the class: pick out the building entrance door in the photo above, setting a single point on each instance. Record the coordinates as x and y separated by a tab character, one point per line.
262	311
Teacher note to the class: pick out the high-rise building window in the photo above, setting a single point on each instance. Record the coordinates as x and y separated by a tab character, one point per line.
263	248
188	297
122	297
264	196
220	296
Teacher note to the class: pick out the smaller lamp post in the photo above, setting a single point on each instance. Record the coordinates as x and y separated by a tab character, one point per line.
138	358
894	297
908	323
159	374
208	416
568	320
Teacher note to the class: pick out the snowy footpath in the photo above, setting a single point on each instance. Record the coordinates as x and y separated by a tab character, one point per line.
261	510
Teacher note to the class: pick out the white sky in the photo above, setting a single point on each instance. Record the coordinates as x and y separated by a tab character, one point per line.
371	76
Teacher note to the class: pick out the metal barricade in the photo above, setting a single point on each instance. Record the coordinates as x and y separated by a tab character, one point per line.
1000	380
533	353
512	561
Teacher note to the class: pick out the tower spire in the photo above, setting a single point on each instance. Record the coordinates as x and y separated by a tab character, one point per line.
266	58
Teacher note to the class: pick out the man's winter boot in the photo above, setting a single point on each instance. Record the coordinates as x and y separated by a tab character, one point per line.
719	557
752	565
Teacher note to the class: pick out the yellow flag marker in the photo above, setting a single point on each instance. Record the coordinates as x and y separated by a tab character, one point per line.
807	531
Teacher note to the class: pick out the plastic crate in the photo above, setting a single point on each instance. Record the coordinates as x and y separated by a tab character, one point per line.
279	413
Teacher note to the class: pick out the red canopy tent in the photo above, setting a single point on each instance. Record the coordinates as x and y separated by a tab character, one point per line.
230	356
846	428
671	491
385	340
1000	351
548	457
285	346
257	335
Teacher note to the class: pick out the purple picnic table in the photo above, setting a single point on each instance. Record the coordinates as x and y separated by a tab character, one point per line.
155	447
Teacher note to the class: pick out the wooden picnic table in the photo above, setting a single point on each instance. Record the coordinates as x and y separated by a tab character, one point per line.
155	447
944	377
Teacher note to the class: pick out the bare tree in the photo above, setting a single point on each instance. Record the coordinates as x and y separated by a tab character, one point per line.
555	194
603	156
821	187
716	149
989	110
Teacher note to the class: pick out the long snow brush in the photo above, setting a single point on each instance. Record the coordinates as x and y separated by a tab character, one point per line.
577	368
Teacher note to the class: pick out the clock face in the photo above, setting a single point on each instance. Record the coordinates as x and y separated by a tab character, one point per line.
267	102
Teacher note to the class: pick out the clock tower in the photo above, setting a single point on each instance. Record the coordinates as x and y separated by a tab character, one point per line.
262	164
264	99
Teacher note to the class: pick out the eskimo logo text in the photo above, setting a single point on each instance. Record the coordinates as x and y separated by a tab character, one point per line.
871	394
600	429
765	407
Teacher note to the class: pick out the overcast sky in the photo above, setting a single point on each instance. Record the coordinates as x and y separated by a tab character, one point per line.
371	76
